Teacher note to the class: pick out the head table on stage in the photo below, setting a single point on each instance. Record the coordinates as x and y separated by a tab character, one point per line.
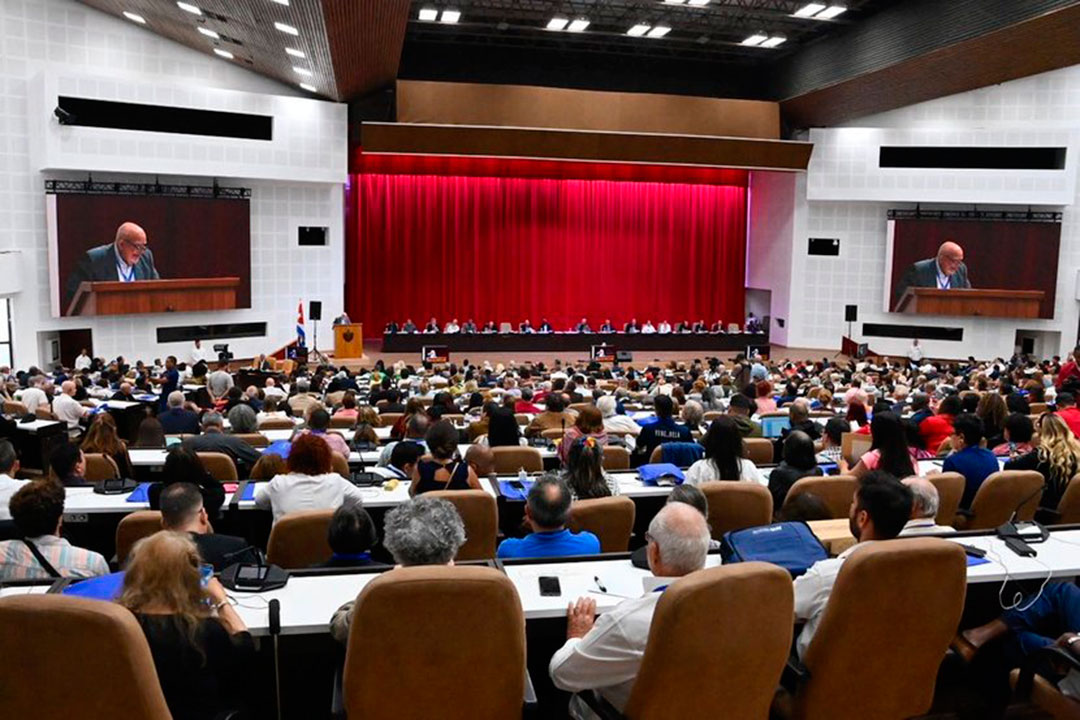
570	341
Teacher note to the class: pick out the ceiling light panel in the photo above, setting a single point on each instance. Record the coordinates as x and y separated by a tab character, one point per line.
557	23
188	7
809	10
830	12
638	30
287	29
133	17
428	14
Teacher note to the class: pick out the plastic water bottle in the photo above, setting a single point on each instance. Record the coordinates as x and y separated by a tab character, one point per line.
523	477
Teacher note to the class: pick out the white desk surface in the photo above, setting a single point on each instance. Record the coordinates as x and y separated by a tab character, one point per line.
307	603
1058	557
36	425
24	590
83	500
376	497
370	457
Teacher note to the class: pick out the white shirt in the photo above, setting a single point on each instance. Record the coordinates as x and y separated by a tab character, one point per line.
33	398
451	328
648	329
812	592
292	491
943	280
608	658
704	471
664	327
67	409
924	526
915	353
274	391
199	354
124	272
622	424
8	487
83	362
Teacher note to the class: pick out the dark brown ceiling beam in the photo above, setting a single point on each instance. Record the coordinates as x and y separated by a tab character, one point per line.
365	37
1043	43
592	146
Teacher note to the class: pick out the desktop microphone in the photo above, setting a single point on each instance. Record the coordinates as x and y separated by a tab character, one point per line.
1012	535
275	631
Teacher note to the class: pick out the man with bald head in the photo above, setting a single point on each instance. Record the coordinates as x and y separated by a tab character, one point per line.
69	410
604	653
947	271
126	259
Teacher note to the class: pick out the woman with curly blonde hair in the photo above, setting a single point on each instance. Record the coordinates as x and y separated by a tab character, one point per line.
1057	458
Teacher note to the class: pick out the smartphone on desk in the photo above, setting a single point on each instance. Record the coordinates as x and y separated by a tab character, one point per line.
549	586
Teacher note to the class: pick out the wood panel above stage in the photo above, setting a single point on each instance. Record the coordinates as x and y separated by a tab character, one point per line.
569	341
687	151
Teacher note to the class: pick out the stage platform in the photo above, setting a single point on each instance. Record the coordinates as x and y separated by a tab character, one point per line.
503	343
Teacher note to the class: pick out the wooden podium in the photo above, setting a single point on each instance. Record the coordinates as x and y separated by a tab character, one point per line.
348	341
985	303
154	296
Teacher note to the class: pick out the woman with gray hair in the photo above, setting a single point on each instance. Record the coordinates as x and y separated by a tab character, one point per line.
242	420
420	531
614	423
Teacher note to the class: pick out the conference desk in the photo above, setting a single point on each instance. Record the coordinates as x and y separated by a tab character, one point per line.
571	341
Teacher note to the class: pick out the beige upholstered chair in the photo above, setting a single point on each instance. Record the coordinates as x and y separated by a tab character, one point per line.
611	519
298	539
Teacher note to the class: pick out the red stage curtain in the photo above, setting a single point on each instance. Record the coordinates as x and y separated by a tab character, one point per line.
505	249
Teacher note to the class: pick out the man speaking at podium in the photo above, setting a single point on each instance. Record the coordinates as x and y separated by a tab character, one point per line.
126	259
947	271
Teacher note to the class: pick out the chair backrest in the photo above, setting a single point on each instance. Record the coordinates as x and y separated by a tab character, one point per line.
1069	506
334	399
254	439
60	633
732	624
340	465
1001	494
616	458
343	423
44	413
298	539
611	519
552	433
950	488
510	459
758	450
16	408
854	445
521	418
389	419
433	621
100	467
276	423
1047	697
836	491
1037	408
737	505
480	514
132	528
578	407
220	466
917	584
711	415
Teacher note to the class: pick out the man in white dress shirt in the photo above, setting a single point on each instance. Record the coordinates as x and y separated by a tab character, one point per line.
84	361
879	510
67	409
605	653
452	327
9	465
664	328
199	353
924	508
34	396
915	353
647	328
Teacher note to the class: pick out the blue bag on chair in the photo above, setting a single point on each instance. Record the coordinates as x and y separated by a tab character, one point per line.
791	545
681	454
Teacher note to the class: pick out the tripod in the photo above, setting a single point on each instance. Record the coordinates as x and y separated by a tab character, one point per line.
315	355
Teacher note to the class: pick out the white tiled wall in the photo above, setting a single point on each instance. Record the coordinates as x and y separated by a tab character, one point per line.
770	237
60	43
1041	110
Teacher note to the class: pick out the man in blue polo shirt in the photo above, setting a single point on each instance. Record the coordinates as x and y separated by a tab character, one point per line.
973	462
546	512
664	430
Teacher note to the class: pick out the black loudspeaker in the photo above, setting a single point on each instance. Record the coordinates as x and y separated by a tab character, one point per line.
624	356
851	313
315	310
312	236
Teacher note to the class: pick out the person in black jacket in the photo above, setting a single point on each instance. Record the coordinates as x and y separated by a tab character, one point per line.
201	647
799	461
351	536
182	465
182	511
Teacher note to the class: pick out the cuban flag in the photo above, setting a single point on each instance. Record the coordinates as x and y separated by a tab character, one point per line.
301	336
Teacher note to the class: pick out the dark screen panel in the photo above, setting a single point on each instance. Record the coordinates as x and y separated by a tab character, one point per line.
973	158
922	332
191	333
163	118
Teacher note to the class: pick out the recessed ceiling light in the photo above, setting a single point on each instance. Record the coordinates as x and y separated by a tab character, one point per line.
223	53
302	71
674	2
773	41
450	16
755	39
698	3
557	23
309	88
208	33
658	32
429	14
188	7
830	12
638	30
135	18
295	53
287	29
282	2
809	10
578	25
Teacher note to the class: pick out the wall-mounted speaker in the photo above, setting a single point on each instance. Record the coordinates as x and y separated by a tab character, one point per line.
824	246
851	313
312	236
315	310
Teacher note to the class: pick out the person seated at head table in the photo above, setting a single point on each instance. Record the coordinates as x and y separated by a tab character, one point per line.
525	327
682	326
408	326
489	327
663	328
607	327
632	327
309	484
700	327
604	654
37	511
431	327
547	510
351	537
183	511
452	327
469	328
582	327
881	508
201	647
648	329
545	326
724	456
718	327
420	531
391	328
442	468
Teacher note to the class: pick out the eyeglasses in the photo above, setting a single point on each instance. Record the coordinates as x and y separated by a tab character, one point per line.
136	247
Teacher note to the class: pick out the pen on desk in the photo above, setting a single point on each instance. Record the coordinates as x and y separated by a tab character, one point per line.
599	584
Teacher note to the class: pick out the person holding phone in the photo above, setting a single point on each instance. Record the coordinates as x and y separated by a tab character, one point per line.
201	647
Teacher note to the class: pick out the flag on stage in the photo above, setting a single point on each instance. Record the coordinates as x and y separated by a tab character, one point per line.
301	336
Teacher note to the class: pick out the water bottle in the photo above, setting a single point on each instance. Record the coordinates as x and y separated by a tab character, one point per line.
523	477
